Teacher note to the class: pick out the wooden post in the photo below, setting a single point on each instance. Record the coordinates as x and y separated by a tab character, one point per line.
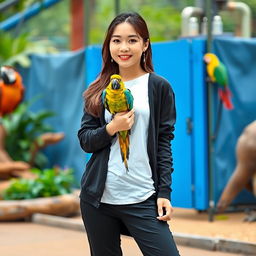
77	24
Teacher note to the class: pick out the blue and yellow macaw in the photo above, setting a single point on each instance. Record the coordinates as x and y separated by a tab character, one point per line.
217	72
116	98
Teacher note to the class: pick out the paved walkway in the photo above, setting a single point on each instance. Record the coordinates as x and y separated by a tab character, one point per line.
30	239
33	239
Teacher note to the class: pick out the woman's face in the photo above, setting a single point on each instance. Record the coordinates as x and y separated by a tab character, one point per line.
126	47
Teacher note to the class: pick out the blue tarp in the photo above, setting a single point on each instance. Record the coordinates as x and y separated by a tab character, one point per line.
59	79
239	56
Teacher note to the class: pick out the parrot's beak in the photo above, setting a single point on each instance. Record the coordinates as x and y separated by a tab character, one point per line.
8	75
207	59
115	84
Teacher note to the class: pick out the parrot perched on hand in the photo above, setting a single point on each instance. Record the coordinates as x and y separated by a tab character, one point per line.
11	90
116	98
217	72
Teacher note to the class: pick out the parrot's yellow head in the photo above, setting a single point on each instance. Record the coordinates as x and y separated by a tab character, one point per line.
210	58
116	82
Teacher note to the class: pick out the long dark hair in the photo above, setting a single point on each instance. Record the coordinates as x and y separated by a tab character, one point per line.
92	95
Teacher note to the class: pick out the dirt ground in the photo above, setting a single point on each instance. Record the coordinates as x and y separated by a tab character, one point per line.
227	225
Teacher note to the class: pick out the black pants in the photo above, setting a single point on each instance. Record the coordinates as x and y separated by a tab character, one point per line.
105	224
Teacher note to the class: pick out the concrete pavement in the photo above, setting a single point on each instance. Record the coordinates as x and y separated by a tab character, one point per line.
212	243
31	239
50	235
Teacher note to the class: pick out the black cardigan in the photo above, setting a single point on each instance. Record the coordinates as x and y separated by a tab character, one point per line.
94	139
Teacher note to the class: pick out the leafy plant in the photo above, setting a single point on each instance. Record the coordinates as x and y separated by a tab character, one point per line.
16	50
162	17
49	182
16	47
23	128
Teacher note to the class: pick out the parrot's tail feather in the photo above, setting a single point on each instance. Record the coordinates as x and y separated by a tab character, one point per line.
225	96
124	143
126	166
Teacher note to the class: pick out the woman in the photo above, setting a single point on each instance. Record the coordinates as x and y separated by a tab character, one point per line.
114	201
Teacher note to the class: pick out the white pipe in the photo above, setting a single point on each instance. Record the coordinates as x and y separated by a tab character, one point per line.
186	14
245	12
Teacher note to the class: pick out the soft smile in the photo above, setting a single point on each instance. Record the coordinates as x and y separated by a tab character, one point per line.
124	57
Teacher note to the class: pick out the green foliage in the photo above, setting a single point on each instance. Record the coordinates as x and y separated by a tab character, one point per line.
10	47
16	8
23	128
162	18
52	24
229	24
163	23
49	182
16	50
16	46
20	6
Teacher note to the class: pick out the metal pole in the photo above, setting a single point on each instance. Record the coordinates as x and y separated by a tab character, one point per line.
7	4
210	118
117	7
209	29
245	13
200	4
27	14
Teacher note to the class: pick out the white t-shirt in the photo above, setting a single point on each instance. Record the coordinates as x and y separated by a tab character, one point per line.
135	186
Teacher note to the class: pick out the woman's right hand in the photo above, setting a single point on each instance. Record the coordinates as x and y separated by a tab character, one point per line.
122	121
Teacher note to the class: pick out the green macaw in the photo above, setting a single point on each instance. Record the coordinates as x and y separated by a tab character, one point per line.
116	98
217	72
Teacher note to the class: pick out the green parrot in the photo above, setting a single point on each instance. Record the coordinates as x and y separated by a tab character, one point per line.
217	72
116	98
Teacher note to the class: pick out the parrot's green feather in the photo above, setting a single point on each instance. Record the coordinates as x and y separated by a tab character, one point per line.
123	134
104	101
129	98
220	74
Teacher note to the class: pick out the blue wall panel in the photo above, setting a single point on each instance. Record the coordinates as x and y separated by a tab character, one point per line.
199	140
172	61
92	63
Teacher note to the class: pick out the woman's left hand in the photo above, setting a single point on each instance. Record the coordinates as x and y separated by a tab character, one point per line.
165	209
